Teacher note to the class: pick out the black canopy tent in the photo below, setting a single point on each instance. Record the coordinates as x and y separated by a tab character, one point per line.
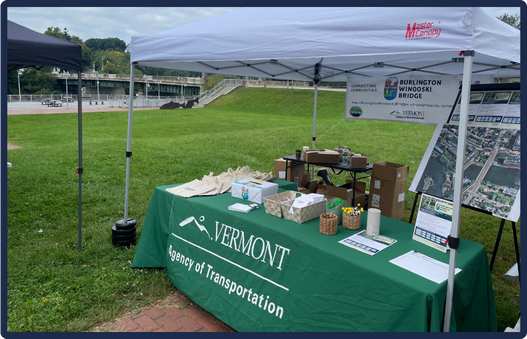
27	48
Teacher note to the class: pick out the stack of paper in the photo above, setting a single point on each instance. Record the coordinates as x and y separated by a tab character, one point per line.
242	208
306	200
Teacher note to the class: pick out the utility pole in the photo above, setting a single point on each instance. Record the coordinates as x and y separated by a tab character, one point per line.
102	62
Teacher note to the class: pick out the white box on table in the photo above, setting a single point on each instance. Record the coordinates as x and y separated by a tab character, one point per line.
253	190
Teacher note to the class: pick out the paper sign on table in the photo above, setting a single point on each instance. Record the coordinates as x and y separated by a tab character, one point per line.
367	244
424	266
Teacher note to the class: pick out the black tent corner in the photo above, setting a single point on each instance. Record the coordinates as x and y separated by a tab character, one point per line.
26	47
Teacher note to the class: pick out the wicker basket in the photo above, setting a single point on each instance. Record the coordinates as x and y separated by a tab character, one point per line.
273	203
328	223
351	222
303	214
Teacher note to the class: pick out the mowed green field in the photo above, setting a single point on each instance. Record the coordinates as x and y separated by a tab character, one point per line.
53	287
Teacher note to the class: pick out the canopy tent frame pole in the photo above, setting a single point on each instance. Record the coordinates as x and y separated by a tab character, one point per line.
314	128
129	139
316	80
315	116
79	169
453	239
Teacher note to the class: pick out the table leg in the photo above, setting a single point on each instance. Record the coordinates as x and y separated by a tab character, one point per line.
354	176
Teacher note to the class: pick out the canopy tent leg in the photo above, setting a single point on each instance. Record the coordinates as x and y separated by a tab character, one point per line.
314	128
458	182
79	169
316	80
124	233
129	139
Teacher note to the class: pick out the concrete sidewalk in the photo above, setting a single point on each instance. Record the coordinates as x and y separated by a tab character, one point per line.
177	313
59	110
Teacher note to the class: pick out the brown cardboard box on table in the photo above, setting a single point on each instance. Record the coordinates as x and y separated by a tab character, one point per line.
322	157
295	173
358	161
345	192
388	188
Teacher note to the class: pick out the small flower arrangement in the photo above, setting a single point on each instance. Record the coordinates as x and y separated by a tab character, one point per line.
353	210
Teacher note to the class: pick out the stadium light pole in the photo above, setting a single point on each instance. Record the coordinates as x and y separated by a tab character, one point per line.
98	96
146	86
67	98
19	93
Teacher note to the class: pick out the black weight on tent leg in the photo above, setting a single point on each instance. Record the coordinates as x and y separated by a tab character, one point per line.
125	225
123	237
124	233
124	243
116	232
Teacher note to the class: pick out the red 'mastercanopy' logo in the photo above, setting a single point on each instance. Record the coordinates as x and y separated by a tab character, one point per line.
423	30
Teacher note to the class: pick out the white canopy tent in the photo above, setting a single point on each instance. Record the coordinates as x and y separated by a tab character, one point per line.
327	44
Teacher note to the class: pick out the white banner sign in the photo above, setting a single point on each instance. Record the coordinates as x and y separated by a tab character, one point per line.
418	99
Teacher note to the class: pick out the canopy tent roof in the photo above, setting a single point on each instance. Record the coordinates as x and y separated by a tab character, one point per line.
328	44
286	43
26	47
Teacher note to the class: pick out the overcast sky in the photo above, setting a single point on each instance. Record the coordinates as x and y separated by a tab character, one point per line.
123	23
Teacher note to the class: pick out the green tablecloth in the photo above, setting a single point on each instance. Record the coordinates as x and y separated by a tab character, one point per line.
258	272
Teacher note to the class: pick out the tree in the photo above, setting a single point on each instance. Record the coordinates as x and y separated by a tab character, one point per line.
86	53
33	82
513	20
108	44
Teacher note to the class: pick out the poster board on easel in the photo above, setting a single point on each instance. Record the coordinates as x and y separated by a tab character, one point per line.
492	169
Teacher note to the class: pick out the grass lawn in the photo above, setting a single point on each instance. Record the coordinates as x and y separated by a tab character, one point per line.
53	287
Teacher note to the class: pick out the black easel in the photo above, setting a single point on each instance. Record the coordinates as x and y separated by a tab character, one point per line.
496	245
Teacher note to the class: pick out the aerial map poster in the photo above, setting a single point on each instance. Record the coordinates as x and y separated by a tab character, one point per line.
491	169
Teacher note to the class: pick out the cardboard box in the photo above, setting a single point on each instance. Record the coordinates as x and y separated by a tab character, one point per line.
321	189
294	173
387	205
253	190
322	157
388	188
345	192
358	161
390	171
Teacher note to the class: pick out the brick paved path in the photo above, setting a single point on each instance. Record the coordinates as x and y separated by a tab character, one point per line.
177	313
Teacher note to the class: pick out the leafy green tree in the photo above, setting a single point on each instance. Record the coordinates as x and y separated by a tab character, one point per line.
86	53
513	20
37	82
108	44
12	82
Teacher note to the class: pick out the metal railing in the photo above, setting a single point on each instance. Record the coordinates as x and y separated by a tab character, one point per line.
220	86
112	100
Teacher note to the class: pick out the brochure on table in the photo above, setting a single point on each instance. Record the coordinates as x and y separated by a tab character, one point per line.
367	244
424	266
434	222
